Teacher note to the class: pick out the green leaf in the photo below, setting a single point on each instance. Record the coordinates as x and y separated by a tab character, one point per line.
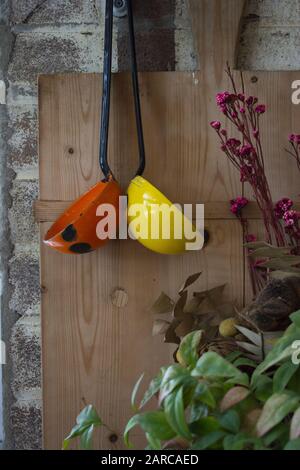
275	434
293	445
209	440
204	394
264	388
231	357
205	425
88	416
153	387
153	423
281	351
212	364
134	392
233	396
230	421
86	438
276	408
188	349
236	442
154	444
295	318
283	375
198	410
295	425
175	376
174	411
243	361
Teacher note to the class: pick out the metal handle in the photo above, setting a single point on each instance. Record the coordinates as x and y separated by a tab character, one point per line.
104	128
135	85
106	91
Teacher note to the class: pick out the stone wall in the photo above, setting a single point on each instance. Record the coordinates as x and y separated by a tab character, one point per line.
48	36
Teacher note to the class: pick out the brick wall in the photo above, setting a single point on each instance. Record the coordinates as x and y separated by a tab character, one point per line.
48	36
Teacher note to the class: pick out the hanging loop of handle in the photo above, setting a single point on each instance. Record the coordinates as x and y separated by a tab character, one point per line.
104	128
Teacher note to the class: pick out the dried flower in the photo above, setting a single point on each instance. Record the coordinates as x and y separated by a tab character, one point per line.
260	109
291	218
216	125
292	137
283	206
247	155
236	205
223	98
251	238
246	150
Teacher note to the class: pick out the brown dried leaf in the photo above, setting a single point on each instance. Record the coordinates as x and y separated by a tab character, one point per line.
164	304
186	326
192	306
179	306
170	336
214	295
160	327
227	310
190	280
233	397
205	307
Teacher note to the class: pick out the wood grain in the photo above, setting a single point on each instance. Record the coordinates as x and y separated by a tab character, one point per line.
94	351
49	211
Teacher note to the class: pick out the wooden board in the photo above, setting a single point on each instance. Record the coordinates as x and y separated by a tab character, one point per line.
93	352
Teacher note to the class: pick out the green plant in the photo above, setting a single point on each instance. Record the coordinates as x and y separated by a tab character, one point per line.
214	402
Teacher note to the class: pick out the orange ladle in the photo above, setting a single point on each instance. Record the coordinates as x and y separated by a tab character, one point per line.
74	232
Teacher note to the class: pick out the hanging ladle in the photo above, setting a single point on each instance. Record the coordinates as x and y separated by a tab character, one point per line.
75	231
145	201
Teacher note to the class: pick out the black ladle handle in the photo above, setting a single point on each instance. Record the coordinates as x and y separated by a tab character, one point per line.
104	128
135	85
106	91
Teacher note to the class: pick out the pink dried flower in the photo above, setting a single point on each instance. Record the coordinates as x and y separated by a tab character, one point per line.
246	150
216	125
233	143
241	97
251	238
250	100
242	110
290	218
224	132
236	205
260	109
282	206
223	98
246	173
256	134
292	137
